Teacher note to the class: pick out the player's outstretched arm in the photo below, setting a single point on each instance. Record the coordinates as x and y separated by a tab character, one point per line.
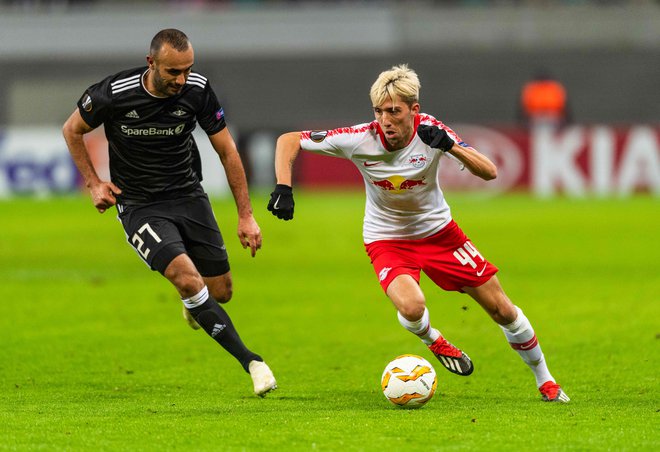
477	163
281	202
102	192
249	233
286	151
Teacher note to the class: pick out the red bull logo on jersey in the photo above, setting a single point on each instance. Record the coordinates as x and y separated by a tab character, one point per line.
398	184
417	160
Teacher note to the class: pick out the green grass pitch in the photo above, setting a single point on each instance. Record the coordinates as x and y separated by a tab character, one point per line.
94	354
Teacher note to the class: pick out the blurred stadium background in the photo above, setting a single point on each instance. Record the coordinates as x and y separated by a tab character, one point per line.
291	65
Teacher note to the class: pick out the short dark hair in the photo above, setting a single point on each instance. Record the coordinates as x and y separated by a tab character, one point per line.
176	38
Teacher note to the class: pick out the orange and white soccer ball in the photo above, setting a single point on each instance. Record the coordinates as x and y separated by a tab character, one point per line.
409	381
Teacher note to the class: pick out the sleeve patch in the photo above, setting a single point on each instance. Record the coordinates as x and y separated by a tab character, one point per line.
86	102
318	135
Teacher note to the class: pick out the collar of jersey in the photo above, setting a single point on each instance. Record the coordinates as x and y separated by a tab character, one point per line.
384	141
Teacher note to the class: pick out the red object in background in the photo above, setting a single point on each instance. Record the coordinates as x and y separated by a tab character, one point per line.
544	99
325	172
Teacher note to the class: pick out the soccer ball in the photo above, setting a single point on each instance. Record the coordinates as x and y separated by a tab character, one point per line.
409	381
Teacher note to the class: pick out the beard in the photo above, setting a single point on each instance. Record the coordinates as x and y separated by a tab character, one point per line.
163	87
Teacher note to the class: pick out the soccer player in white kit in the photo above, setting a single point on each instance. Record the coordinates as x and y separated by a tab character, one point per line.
408	226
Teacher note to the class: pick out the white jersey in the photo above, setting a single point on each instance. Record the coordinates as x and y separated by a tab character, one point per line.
404	199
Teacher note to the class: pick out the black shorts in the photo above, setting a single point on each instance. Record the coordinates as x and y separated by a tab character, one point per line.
162	230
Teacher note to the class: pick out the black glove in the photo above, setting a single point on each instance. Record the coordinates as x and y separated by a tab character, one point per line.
435	137
281	202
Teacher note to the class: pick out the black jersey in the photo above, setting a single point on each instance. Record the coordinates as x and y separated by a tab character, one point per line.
153	155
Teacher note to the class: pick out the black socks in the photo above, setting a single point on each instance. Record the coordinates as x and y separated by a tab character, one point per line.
217	324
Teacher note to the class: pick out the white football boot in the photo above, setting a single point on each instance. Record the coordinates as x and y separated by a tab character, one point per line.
262	377
187	316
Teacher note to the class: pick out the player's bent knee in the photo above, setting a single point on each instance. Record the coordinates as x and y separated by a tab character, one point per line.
188	286
503	312
223	296
186	283
221	291
508	314
413	310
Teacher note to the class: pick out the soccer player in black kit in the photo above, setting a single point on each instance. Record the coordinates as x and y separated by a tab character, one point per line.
149	114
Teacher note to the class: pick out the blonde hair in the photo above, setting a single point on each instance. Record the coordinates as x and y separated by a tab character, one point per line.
400	81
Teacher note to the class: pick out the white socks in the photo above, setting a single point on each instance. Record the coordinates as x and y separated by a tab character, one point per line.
522	339
519	333
421	328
